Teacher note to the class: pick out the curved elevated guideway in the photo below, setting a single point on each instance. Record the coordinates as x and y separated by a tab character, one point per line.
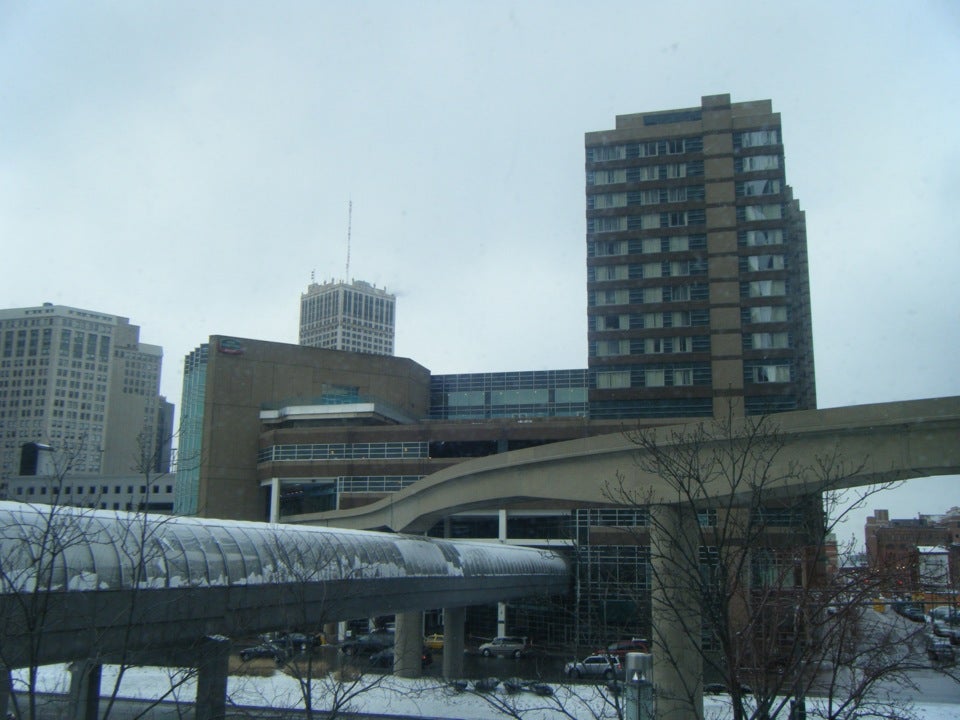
875	443
893	441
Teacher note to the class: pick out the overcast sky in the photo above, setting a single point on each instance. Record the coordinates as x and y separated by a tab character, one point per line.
189	165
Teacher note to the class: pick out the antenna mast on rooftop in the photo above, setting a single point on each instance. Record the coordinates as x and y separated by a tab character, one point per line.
349	228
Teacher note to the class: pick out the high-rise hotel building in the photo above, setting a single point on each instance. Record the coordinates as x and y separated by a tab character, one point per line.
698	290
356	316
82	383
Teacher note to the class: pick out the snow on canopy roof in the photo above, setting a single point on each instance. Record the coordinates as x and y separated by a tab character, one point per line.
101	549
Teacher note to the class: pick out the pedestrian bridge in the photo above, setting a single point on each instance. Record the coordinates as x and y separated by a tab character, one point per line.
78	583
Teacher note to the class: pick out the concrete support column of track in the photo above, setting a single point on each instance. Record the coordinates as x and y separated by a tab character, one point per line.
408	645
275	500
212	672
676	613
85	689
454	620
6	689
330	633
502	520
501	619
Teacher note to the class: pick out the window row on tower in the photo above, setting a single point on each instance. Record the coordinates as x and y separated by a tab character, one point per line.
658	375
645	246
645	173
654	196
643	295
654	148
652	320
650	346
647	221
678	146
641	271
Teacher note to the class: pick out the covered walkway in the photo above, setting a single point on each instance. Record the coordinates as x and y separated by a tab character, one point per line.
147	589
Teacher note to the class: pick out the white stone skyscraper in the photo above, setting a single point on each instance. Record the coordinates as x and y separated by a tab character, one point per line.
339	316
79	381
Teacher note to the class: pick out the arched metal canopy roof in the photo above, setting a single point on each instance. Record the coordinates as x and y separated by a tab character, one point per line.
76	549
176	580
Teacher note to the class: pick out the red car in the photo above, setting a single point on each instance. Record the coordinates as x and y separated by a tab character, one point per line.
620	648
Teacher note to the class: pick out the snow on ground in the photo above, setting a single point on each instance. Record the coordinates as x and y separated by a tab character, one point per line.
426	698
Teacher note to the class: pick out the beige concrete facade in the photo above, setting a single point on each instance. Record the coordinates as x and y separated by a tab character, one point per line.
243	376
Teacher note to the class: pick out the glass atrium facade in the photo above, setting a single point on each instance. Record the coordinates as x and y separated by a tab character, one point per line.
187	484
484	396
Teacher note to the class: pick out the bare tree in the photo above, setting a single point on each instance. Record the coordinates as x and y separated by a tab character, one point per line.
328	684
46	540
741	558
513	698
29	578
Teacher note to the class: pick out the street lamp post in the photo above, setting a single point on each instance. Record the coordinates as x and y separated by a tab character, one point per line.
639	688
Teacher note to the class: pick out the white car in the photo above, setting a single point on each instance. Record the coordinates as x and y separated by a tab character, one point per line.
597	666
510	646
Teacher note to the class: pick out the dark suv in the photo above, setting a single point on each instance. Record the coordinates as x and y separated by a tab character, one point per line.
367	644
263	650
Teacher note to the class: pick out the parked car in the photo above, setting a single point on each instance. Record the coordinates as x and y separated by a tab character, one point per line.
506	646
293	641
541	689
910	610
948	629
914	614
485	685
263	650
620	648
943	612
384	658
940	650
367	644
596	666
717	688
434	641
516	685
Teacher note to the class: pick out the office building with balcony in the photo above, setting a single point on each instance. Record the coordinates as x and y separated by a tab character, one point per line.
269	430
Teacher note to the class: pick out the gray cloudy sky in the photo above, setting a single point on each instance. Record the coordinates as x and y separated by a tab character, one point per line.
188	165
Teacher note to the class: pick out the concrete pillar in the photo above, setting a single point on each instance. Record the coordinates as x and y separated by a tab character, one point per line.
274	500
501	619
502	607
408	645
212	672
85	689
676	614
453	642
331	633
6	689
